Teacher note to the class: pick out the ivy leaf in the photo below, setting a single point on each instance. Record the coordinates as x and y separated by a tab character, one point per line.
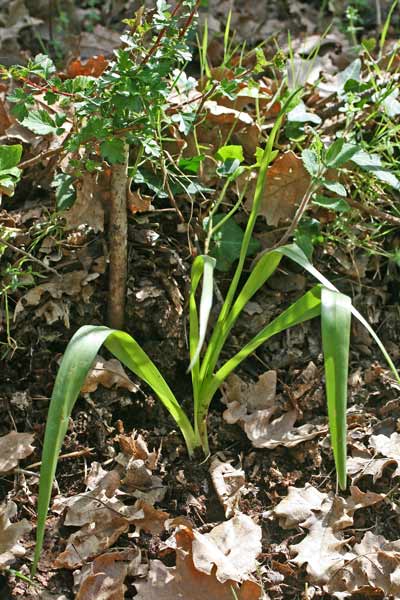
231	157
192	164
227	242
40	122
112	150
299	114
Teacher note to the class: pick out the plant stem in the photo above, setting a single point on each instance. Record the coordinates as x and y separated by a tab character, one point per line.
118	243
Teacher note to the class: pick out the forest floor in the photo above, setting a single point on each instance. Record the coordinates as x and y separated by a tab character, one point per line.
128	505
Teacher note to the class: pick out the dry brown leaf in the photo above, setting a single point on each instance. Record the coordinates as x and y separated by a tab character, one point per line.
228	483
14	447
138	203
104	578
92	539
373	566
185	581
10	534
253	405
135	446
109	374
93	66
324	549
287	182
362	463
150	519
87	208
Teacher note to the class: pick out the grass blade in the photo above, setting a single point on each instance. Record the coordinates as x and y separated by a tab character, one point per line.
335	322
76	362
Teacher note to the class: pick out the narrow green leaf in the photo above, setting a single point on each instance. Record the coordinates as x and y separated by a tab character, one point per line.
335	322
77	360
208	265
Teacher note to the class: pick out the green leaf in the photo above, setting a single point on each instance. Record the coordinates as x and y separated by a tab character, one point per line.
10	174
373	164
299	114
205	266
230	152
77	360
227	242
10	156
335	204
113	150
334	186
335	323
192	164
40	122
42	65
65	191
311	162
340	153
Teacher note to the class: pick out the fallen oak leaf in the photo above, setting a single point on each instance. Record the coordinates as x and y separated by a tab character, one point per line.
109	374
362	463
228	483
286	184
104	578
94	66
10	534
14	447
185	581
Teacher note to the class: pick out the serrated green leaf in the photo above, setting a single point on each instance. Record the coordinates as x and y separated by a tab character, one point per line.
113	150
372	163
311	162
40	122
335	187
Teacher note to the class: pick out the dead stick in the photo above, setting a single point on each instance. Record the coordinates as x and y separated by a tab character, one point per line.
77	454
118	242
374	212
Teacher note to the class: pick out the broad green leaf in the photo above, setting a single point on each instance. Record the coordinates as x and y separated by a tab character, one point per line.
113	150
77	360
42	65
230	152
339	153
300	114
192	164
40	122
335	204
227	243
335	323
10	156
207	265
311	162
335	187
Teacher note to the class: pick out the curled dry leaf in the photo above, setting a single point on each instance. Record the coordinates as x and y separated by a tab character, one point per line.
88	207
373	566
324	549
187	581
109	374
93	66
13	447
104	578
228	483
286	184
362	463
254	404
10	534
